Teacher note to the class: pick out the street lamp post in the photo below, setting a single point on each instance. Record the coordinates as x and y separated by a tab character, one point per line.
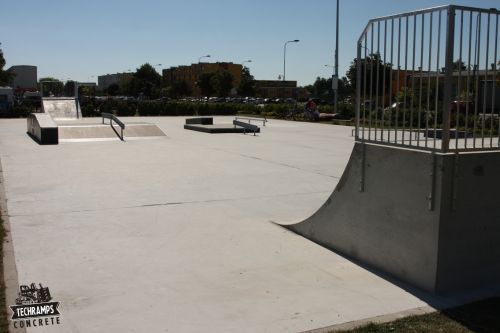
284	56
205	56
334	85
199	70
245	62
161	74
336	75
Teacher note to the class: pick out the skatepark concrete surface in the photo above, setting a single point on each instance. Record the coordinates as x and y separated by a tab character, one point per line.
80	132
176	233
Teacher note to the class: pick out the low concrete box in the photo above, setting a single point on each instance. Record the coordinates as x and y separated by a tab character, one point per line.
43	129
200	121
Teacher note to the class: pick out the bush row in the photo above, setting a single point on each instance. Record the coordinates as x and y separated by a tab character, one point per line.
158	108
155	108
18	111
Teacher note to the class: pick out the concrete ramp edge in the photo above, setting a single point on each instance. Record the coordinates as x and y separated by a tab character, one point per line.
409	213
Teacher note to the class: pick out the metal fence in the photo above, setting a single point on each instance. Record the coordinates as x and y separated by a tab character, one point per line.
429	80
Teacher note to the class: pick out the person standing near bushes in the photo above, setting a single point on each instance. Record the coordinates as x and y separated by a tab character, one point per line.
311	110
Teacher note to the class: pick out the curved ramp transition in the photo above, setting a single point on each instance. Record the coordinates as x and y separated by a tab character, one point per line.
431	220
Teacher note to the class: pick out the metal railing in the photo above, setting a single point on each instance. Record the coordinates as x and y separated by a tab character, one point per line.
429	80
112	118
263	120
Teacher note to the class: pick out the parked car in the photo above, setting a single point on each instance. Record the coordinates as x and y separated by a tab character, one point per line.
395	106
462	106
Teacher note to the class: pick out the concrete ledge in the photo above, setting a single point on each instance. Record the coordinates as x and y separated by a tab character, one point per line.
200	121
43	129
215	129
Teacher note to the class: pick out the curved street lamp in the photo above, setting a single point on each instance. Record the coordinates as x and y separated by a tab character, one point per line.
205	56
161	74
284	55
246	61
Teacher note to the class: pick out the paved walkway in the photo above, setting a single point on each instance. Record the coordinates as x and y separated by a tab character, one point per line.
175	234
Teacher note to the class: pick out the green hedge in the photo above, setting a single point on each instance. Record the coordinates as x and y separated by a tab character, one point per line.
18	111
156	108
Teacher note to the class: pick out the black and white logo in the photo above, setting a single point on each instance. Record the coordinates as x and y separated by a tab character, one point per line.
34	307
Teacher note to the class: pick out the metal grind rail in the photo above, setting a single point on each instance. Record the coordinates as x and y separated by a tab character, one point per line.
429	80
263	120
112	118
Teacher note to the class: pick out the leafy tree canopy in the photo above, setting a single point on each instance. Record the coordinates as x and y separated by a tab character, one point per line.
113	89
145	82
179	89
5	76
372	68
205	84
50	86
247	83
222	83
322	88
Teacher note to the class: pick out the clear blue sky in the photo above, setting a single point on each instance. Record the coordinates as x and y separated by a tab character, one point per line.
74	39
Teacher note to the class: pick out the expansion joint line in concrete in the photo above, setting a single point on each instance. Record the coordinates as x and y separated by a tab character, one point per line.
156	204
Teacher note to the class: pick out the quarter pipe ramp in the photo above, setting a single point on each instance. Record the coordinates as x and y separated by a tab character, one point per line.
61	108
427	219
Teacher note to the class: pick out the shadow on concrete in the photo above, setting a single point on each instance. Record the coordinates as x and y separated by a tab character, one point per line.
452	301
482	316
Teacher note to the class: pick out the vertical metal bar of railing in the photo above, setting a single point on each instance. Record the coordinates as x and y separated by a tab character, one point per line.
364	85
413	77
358	89
485	85
372	60
436	99
450	41
496	63
428	84
398	83
493	84
391	79
468	101
420	92
477	56
459	83
383	80
405	83
377	79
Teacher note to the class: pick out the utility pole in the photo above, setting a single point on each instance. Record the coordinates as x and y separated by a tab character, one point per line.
335	79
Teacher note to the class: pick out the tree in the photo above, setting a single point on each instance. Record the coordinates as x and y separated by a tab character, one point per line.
5	76
50	86
145	81
322	88
222	83
374	68
205	84
247	83
178	89
459	65
69	88
113	89
147	73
